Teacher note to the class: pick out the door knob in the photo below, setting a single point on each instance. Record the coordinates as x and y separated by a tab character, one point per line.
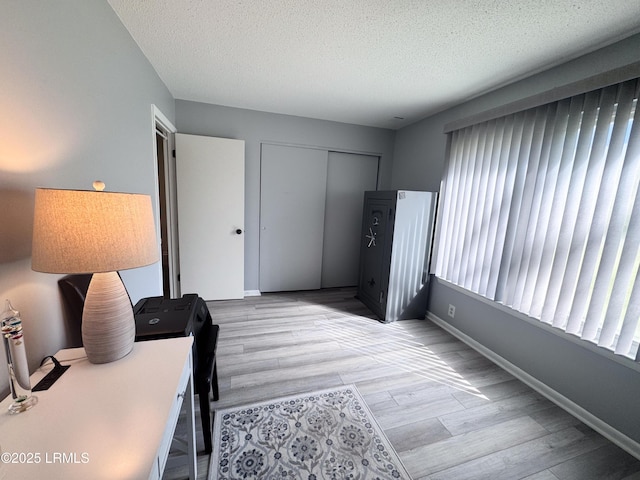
239	231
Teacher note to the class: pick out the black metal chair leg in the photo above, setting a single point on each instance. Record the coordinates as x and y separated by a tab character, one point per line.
214	381
205	415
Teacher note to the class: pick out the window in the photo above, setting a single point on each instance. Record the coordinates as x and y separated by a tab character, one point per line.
540	211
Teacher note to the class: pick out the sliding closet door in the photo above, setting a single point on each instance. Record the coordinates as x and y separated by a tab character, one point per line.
348	177
292	205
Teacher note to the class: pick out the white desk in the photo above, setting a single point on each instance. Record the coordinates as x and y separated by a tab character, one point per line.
108	421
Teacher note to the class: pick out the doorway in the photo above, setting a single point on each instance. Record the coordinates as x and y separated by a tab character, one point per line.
163	146
161	154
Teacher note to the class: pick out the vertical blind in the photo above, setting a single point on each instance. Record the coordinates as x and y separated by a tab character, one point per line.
540	211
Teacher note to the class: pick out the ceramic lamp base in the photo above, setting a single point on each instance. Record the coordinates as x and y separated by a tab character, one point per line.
108	326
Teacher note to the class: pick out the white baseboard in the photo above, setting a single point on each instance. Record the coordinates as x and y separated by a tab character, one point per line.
606	430
252	293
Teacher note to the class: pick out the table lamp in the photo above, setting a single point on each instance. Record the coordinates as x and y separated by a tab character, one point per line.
98	232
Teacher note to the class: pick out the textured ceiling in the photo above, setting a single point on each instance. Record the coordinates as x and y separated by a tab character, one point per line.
363	61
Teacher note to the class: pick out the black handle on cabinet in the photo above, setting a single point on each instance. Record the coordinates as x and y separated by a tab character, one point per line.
239	231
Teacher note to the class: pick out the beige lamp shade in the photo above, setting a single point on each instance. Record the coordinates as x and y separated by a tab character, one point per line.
79	231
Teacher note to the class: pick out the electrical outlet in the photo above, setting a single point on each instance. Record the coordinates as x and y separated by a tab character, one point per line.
452	311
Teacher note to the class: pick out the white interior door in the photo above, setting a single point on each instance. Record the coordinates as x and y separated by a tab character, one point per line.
292	203
349	175
210	187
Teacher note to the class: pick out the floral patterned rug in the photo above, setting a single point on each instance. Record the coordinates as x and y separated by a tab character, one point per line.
330	434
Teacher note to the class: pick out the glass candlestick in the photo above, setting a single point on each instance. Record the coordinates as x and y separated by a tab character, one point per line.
13	339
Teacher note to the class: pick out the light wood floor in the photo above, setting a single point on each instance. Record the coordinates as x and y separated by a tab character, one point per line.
449	412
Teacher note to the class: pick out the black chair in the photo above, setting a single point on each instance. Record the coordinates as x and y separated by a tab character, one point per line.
206	377
158	317
74	291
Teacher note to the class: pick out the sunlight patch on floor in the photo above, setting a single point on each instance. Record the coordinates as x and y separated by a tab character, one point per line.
389	344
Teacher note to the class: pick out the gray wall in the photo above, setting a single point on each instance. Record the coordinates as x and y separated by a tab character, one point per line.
75	106
256	127
605	388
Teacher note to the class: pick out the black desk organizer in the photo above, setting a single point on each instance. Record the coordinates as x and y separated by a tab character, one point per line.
158	317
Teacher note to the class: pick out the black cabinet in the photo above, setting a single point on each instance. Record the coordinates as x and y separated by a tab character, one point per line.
395	250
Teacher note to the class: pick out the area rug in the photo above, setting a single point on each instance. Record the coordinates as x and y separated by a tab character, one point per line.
328	434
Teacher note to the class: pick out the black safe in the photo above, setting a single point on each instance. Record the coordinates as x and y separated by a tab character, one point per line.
395	251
